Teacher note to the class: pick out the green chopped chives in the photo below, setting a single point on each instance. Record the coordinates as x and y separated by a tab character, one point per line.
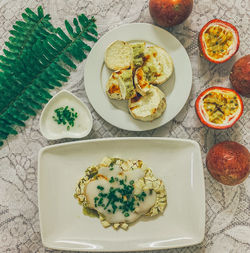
99	187
112	180
64	116
121	197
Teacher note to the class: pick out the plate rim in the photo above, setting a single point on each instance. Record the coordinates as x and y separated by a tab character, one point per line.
200	238
134	127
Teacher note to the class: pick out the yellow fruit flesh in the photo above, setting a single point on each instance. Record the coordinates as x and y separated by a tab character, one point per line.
219	106
218	41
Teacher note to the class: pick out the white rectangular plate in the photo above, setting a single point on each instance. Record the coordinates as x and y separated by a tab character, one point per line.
177	162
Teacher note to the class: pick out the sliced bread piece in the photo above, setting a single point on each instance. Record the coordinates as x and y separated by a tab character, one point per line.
149	107
158	65
113	87
118	55
141	84
120	85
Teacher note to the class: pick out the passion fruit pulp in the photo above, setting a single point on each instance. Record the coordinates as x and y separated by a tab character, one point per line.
219	41
219	107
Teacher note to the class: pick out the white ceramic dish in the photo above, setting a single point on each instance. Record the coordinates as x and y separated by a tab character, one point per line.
177	162
50	128
176	89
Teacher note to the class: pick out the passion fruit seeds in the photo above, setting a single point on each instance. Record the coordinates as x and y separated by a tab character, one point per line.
219	107
219	41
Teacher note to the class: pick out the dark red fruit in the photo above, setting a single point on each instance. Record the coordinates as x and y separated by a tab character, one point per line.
228	162
168	13
240	76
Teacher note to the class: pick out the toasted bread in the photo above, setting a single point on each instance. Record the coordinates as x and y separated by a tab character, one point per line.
118	55
141	84
120	85
148	107
158	65
113	88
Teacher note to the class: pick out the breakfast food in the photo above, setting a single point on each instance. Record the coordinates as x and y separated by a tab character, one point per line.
158	65
120	85
148	107
121	191
228	162
141	84
219	107
170	12
138	67
219	41
240	76
118	55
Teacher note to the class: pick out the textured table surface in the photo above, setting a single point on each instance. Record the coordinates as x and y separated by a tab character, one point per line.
227	208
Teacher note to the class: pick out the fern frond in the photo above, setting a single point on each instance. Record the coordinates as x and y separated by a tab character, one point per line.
35	63
26	33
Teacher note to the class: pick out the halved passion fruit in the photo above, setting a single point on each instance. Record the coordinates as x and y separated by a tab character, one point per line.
219	41
219	107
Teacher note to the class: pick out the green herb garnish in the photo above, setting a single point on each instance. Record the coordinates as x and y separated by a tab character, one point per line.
64	116
121	197
112	180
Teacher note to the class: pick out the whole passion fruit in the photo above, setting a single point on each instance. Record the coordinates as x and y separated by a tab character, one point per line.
219	41
240	76
228	162
168	13
219	107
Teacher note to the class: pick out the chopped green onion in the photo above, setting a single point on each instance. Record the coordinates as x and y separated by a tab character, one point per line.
99	187
64	116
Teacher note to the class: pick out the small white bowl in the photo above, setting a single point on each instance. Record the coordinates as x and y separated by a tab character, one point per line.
51	130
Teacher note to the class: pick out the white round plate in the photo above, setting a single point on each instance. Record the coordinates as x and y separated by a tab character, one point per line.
176	89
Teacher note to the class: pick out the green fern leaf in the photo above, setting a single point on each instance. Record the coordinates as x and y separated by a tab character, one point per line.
5	128
26	33
69	29
77	27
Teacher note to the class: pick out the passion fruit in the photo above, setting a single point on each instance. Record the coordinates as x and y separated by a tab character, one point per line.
219	107
228	162
240	76
219	41
168	13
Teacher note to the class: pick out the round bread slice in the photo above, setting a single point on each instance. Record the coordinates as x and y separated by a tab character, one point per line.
118	55
120	85
158	65
113	87
141	84
149	107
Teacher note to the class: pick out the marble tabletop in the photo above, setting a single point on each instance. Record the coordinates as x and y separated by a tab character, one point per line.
227	208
